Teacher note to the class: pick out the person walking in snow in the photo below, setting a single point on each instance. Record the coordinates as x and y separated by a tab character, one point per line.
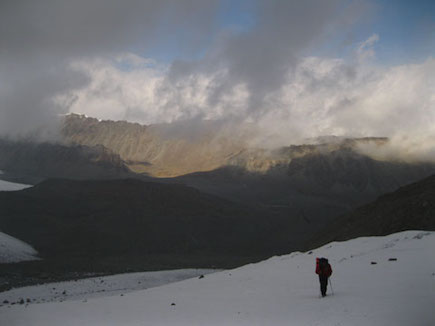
324	270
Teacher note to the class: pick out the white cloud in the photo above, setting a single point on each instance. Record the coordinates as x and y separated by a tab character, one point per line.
145	94
321	96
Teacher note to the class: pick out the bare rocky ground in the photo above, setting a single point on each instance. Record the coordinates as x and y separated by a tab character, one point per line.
49	271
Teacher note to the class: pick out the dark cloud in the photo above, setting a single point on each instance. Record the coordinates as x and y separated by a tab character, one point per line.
260	57
84	27
26	104
235	78
39	39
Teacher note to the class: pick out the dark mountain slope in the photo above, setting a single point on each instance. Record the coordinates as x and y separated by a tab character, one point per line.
49	160
132	217
347	174
411	207
315	188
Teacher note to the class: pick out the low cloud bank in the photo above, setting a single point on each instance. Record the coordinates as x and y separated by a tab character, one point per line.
321	96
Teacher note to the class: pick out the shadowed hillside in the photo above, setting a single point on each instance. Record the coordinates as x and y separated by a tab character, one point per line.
85	227
411	207
48	160
315	187
117	217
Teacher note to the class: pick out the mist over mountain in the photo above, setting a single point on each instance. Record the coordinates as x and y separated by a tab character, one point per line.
293	78
167	150
316	181
311	183
158	150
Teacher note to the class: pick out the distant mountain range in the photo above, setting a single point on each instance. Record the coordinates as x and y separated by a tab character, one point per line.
311	190
309	185
169	150
217	160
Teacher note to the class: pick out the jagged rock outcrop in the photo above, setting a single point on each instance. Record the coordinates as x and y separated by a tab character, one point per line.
169	150
158	150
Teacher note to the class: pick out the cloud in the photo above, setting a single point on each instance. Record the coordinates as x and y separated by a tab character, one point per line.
146	94
236	73
90	57
40	39
331	97
43	42
259	59
27	106
86	27
365	49
317	97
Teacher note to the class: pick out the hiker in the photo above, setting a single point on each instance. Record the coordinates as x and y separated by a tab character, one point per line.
324	270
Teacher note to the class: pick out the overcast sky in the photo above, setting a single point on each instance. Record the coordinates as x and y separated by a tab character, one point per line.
296	69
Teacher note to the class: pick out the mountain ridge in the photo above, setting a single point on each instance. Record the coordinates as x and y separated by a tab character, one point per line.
170	150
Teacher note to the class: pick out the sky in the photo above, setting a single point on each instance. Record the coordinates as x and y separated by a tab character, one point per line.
294	69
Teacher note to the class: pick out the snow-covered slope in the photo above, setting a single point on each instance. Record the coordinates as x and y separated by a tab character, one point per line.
13	250
101	286
280	291
11	186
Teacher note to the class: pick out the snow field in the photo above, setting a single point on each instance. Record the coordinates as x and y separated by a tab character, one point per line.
13	250
94	287
279	291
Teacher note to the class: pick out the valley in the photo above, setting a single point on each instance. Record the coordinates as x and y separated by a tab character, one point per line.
92	212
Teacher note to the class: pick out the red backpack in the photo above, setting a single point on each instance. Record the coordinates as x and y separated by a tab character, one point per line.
323	267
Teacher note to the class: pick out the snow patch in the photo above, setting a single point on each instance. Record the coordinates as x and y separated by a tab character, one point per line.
13	250
12	186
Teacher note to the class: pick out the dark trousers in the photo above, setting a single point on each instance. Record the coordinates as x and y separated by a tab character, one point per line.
323	284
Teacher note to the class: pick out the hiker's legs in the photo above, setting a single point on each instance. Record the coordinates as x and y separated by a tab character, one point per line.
323	284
